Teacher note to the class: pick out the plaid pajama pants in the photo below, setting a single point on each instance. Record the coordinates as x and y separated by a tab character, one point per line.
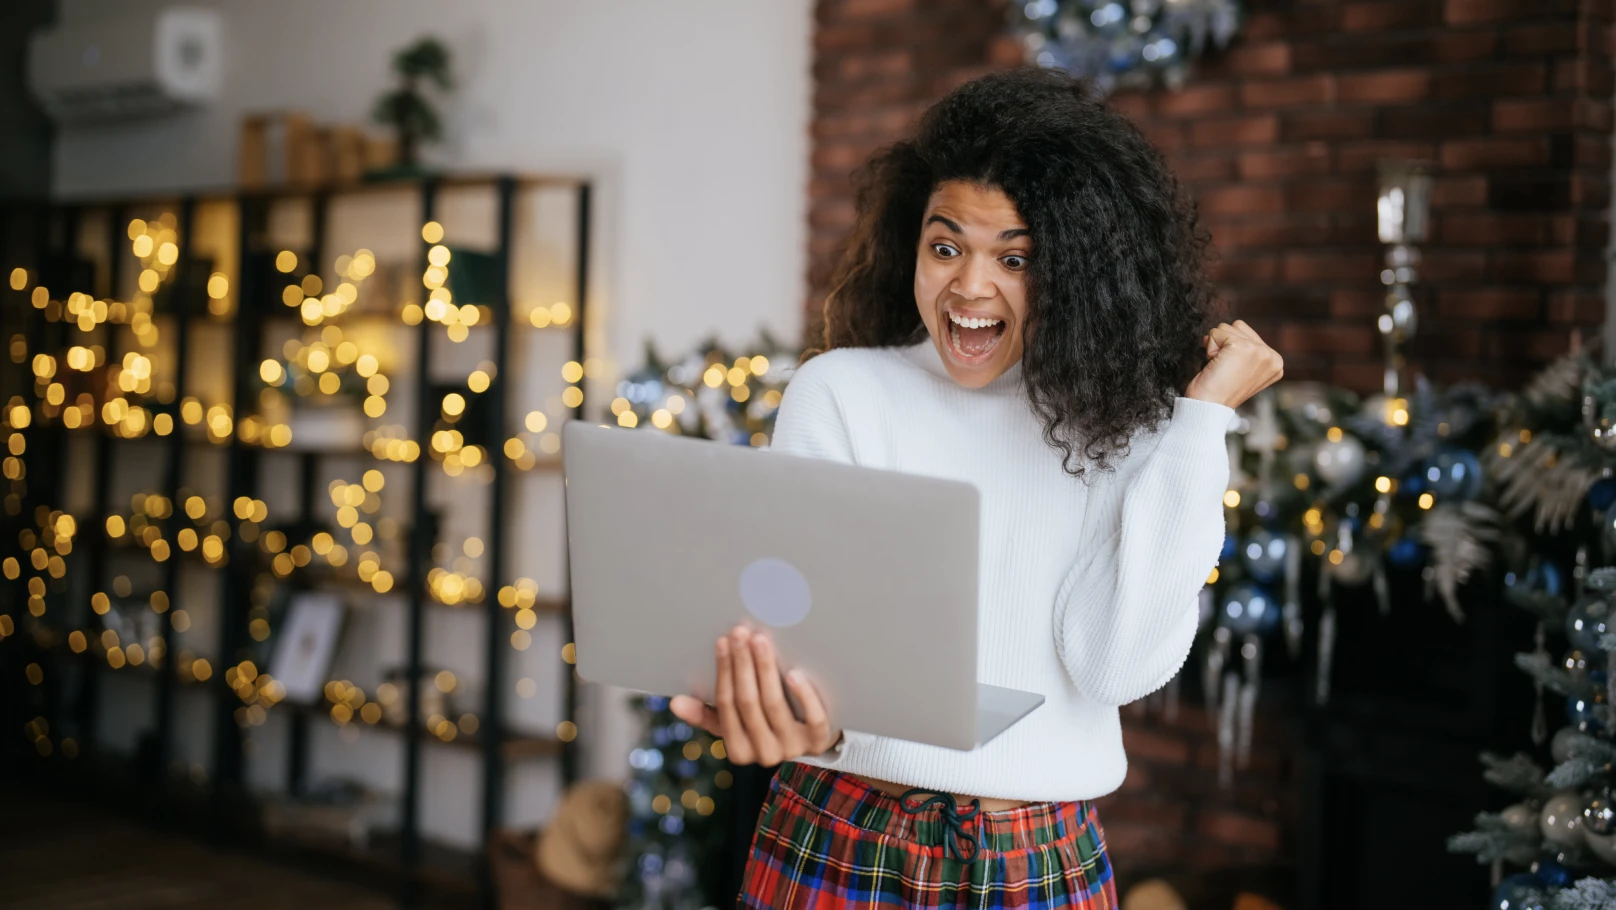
828	840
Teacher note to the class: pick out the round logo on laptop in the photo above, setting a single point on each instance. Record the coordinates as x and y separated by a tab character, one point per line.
775	592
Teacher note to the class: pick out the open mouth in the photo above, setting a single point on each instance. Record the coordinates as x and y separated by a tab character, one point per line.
973	338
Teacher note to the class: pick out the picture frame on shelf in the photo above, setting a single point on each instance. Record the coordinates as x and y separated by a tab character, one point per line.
307	643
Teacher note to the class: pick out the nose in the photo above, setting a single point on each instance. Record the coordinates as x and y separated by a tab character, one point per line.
974	281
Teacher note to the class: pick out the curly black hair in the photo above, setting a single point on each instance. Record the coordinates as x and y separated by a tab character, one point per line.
1117	295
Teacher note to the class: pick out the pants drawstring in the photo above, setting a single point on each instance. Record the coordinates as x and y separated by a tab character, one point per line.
954	820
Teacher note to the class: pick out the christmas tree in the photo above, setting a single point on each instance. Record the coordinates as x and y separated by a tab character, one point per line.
680	783
1552	463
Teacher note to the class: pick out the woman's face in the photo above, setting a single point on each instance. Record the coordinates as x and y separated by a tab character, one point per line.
969	280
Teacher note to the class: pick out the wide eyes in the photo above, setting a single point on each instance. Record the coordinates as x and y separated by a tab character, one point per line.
1013	262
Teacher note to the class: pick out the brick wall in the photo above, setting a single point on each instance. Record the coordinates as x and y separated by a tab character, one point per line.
1278	140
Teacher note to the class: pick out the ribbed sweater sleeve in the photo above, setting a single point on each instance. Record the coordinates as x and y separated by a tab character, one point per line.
810	422
1126	613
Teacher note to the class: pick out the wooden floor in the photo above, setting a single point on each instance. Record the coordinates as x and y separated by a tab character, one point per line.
67	856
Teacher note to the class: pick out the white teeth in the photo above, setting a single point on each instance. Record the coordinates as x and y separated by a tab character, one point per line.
972	322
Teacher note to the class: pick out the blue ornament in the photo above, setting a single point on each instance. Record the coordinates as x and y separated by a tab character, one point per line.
1553	874
656	702
1231	546
1247	608
1602	495
1586	623
1413	485
671	824
1264	554
1580	712
650	863
1406	553
1521	891
1454	474
685	768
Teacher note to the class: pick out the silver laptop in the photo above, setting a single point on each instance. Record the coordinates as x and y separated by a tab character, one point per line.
866	579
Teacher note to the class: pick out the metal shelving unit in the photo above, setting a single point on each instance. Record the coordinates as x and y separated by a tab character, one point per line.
45	241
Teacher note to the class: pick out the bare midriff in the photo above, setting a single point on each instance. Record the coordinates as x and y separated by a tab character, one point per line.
898	790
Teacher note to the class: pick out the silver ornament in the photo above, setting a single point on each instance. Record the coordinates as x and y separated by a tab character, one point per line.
1587	622
1601	845
1520	817
1560	746
1560	822
1599	816
1264	554
1340	462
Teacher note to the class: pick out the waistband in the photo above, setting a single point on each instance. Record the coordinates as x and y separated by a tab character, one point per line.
852	801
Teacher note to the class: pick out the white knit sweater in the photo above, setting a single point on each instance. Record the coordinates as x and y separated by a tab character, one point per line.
1089	591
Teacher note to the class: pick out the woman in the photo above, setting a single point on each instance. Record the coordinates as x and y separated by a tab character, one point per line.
1022	301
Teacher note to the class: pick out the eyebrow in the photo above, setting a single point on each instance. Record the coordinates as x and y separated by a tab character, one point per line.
1003	235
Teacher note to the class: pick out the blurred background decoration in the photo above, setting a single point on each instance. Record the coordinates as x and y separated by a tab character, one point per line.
296	298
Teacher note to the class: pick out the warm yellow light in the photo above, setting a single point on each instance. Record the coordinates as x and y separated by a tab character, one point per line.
478	381
572	371
536	422
270	371
412	314
540	317
330	383
318	360
347	352
142	247
454	404
1301	481
20	417
195	507
572	397
285	261
148	281
1383	484
676	404
1427	500
280	435
382	581
661	419
619	405
759	365
432	232
560	313
168	253
714	377
19	278
628	419
438	255
366	365
1333	434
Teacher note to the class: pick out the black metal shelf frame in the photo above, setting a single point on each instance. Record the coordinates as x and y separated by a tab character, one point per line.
44	239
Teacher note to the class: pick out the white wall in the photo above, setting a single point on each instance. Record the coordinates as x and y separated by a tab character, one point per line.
693	115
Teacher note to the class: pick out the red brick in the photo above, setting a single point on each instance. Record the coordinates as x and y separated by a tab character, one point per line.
1459	47
1313	158
840	156
1441	265
1264	26
1138	779
1587	77
1458	192
1230	269
1577	308
1356	375
1239	200
1133	105
1328	196
1391	86
873	9
1506	80
1153	748
1270	59
1195	100
1493	229
1304	267
1279	231
1461	12
1357	304
1257	130
1590	190
1327	125
837	214
1450	341
881	66
1481	154
1556	266
1243	830
1452	120
1537	39
1203	168
1488	304
1365	157
1375	17
1537	115
1283	93
1165	136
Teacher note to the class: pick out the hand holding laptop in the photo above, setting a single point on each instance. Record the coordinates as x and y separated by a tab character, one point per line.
750	711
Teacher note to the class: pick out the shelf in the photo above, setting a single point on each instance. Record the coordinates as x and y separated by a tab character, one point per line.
333	188
517	746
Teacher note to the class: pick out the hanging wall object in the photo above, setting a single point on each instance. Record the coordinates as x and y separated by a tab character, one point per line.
1124	43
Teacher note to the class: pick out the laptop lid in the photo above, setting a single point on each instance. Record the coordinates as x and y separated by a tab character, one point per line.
866	579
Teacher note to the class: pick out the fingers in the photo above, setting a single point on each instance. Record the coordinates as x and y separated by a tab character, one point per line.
693	712
748	700
816	720
787	731
736	742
